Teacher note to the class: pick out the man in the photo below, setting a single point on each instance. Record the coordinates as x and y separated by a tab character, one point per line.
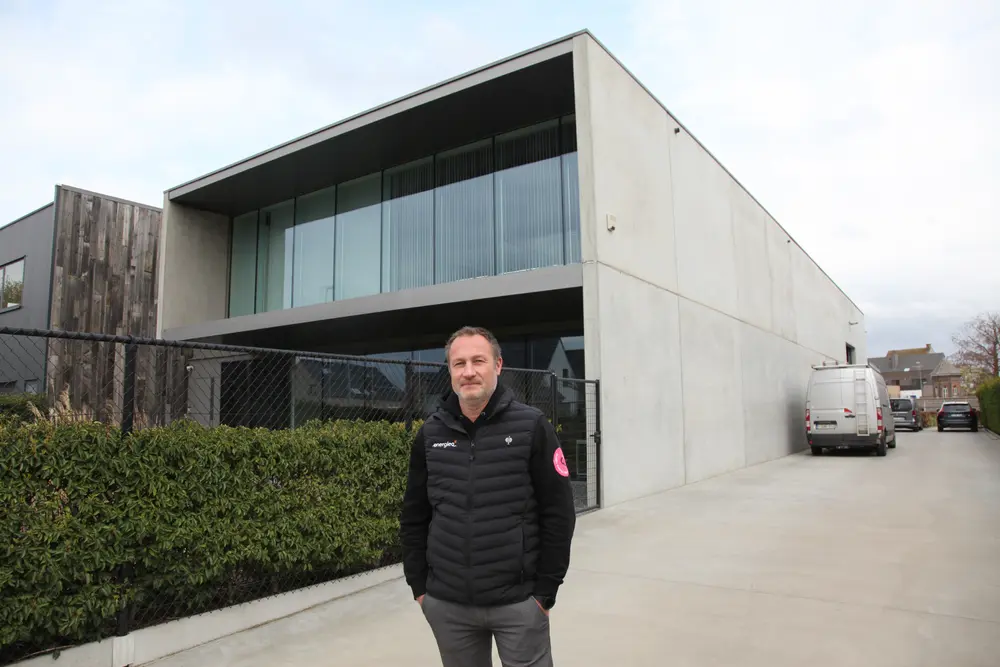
488	516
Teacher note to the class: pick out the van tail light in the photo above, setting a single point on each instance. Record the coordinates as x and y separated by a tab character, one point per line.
878	416
972	411
914	413
940	414
809	426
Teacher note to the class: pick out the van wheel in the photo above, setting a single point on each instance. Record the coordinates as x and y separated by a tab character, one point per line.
975	428
817	451
880	447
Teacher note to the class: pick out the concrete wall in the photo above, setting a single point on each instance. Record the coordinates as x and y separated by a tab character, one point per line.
23	360
701	316
194	267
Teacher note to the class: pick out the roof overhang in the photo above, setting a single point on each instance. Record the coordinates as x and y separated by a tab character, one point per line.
517	91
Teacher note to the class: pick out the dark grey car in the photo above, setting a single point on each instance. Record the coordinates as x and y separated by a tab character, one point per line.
957	414
905	413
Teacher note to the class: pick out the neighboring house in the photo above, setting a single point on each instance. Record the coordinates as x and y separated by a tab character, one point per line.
946	381
85	263
908	369
550	197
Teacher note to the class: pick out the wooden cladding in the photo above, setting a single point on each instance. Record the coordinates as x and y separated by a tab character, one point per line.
104	267
103	281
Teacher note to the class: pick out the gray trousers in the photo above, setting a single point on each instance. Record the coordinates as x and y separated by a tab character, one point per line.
465	634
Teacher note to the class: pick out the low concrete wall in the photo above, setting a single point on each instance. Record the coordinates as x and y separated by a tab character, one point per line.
149	644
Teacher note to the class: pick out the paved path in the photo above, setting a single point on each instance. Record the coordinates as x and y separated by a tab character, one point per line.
819	561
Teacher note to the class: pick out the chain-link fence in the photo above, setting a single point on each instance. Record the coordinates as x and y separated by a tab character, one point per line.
136	384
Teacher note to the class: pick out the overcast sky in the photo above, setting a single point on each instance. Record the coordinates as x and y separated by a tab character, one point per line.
868	129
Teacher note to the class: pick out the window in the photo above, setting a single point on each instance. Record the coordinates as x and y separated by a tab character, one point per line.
359	238
529	215
315	216
408	226
504	203
243	265
274	257
850	354
463	221
11	284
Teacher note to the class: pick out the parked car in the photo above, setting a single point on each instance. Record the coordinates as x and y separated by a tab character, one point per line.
905	414
847	407
957	414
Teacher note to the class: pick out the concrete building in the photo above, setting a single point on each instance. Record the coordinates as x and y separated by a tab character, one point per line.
550	197
86	262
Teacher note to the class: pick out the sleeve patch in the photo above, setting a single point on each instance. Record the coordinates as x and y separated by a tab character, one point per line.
559	462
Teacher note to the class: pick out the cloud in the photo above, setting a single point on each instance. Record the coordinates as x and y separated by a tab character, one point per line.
132	98
866	129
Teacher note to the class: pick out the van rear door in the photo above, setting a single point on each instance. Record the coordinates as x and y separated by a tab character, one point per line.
902	408
830	403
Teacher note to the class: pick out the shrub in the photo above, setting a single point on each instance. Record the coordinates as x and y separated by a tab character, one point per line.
16	407
183	516
989	404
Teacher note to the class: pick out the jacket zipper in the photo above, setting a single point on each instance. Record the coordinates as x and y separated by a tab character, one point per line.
468	520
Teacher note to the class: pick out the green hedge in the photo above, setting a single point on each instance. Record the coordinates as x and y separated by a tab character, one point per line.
190	514
989	404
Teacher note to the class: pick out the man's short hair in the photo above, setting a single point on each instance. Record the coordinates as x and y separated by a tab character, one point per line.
474	331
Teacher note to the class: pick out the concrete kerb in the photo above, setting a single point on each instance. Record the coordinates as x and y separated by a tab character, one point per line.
149	644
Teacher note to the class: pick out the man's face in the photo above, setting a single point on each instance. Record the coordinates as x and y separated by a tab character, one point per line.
474	371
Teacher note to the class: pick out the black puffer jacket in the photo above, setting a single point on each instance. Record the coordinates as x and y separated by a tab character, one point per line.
488	514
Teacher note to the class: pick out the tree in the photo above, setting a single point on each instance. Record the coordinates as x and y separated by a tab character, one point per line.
978	344
972	379
12	290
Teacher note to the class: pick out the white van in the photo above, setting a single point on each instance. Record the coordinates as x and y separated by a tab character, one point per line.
847	407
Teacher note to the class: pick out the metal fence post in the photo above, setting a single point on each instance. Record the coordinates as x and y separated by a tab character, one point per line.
408	394
128	400
555	403
128	421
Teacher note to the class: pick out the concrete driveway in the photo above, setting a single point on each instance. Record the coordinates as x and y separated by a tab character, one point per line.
833	560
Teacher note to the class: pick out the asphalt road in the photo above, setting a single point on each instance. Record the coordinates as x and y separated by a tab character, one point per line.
843	559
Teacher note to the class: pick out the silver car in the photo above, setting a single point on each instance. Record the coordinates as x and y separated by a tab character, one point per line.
905	413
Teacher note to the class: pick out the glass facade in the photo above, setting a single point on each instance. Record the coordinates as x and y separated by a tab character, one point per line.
326	389
562	355
506	203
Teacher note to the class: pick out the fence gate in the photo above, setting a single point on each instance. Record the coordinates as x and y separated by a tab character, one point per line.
577	418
